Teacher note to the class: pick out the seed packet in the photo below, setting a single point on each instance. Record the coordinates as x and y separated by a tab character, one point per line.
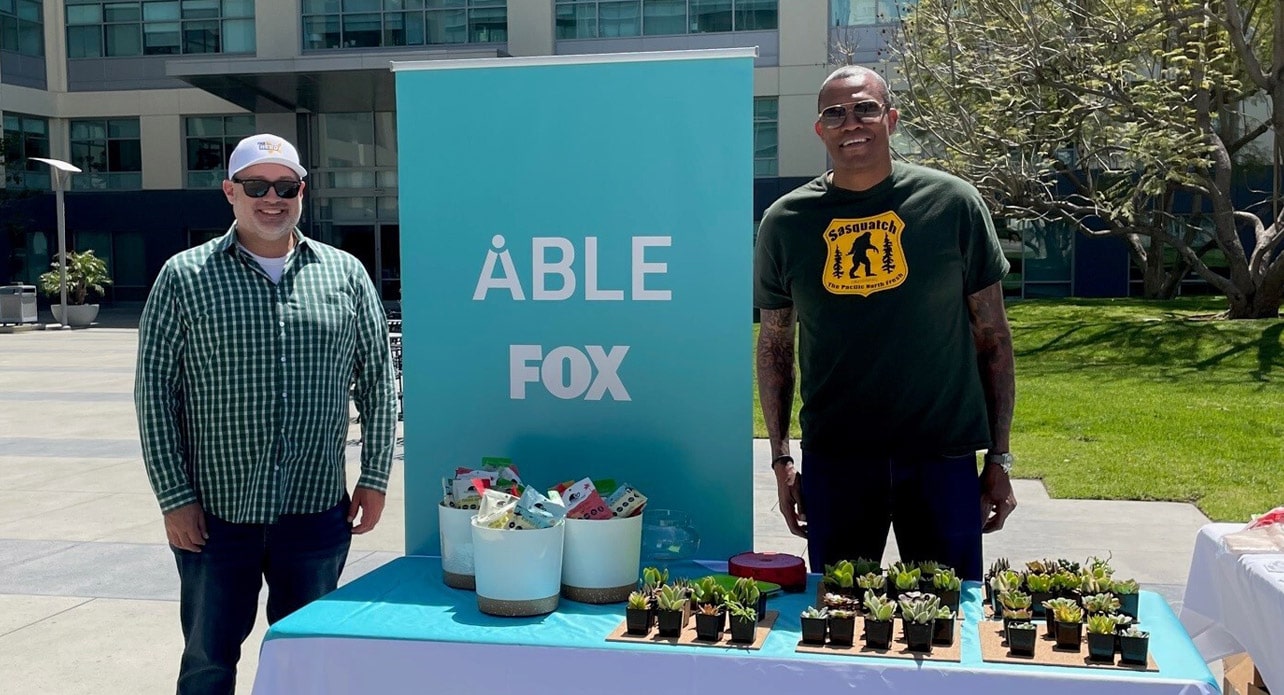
582	501
626	501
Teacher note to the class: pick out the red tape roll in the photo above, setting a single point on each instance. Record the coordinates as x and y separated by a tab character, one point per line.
789	571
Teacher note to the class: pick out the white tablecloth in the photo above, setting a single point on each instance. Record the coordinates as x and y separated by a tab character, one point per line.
1235	603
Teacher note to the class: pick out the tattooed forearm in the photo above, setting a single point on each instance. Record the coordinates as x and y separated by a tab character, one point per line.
776	375
993	338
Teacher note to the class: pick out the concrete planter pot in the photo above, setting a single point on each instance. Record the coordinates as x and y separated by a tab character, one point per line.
78	315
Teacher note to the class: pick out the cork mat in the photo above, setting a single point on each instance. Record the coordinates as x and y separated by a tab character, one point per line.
899	650
688	635
994	647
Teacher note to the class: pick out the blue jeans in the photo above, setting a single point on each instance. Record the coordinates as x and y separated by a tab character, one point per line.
932	503
301	556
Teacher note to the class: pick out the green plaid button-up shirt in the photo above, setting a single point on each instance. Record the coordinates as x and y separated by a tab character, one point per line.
242	385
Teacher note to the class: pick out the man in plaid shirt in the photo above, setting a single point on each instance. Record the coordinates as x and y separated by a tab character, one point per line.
248	349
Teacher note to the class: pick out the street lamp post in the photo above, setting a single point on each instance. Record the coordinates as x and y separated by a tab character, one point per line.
62	172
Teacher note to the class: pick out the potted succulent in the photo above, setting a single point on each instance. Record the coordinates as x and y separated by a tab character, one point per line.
879	612
671	610
746	592
902	580
1129	593
943	627
996	567
842	627
841	602
1006	580
1069	626
1101	638
947	585
1134	645
866	566
815	624
1065	584
872	581
744	621
918	613
1100	604
840	578
652	579
86	273
1049	611
1021	637
1040	587
639	616
927	569
710	618
707	592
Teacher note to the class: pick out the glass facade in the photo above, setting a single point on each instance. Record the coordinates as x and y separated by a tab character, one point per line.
209	141
98	29
593	19
1042	258
22	27
856	13
766	129
109	152
24	137
329	24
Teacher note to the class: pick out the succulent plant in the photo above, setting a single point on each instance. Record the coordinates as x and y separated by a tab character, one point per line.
944	613
711	609
1100	603
1015	599
841	574
870	580
997	566
866	566
920	610
707	590
746	591
946	580
840	613
1125	587
653	578
928	568
1039	583
741	611
878	608
907	580
639	600
1068	614
1101	625
1134	631
1054	603
814	612
671	598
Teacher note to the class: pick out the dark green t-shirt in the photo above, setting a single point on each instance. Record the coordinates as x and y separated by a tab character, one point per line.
879	281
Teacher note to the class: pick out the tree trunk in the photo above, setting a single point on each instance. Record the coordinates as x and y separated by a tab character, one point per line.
1259	304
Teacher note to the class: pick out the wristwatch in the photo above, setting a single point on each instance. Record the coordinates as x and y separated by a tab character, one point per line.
1003	460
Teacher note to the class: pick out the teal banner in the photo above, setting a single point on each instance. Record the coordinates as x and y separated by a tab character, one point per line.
576	243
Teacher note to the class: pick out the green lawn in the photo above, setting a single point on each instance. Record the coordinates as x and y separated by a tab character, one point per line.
1125	399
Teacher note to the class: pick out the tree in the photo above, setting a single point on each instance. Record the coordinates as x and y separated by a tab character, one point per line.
1120	117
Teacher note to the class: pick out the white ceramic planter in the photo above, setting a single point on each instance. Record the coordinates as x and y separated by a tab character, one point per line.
602	559
78	315
518	572
456	532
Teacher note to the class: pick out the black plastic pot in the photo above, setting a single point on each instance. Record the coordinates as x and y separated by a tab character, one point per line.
639	620
919	637
1101	647
1134	650
1128	604
742	630
943	631
1021	642
842	630
878	634
709	627
1069	635
671	622
814	630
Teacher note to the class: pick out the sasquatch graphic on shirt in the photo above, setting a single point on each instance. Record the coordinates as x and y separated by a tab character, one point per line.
865	255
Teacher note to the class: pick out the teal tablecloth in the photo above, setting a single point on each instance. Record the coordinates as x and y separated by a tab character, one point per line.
405	600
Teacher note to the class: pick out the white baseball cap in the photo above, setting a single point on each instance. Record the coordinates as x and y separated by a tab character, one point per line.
264	148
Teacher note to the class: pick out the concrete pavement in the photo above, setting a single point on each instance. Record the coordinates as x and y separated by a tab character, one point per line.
88	589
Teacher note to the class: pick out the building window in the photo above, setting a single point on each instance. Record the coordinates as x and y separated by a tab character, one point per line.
22	27
765	135
857	13
25	137
210	141
97	29
591	19
109	152
374	23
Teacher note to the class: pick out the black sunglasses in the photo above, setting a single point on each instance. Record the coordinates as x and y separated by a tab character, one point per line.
863	111
257	188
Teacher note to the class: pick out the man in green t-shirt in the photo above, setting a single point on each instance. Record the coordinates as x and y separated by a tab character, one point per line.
892	272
